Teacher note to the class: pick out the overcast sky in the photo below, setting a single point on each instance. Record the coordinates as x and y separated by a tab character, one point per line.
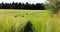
24	1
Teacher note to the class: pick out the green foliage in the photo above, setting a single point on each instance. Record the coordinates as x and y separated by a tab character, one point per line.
53	6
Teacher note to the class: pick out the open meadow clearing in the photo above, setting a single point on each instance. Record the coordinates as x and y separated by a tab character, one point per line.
13	20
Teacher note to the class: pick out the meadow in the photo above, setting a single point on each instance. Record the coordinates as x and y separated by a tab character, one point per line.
13	20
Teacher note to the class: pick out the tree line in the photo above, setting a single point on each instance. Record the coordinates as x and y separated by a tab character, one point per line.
20	5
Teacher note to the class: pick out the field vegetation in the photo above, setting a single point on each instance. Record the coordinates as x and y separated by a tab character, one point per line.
40	20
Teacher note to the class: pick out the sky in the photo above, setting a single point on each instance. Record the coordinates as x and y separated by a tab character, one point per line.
24	1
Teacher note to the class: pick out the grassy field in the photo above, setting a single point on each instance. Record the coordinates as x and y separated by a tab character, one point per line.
14	20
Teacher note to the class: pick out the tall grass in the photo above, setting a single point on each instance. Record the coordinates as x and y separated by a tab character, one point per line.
41	21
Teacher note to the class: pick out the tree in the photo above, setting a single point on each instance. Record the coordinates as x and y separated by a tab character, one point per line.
53	6
16	5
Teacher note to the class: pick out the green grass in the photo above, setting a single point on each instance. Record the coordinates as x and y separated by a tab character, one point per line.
40	19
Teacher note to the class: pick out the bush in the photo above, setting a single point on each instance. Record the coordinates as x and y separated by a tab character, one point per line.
27	27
